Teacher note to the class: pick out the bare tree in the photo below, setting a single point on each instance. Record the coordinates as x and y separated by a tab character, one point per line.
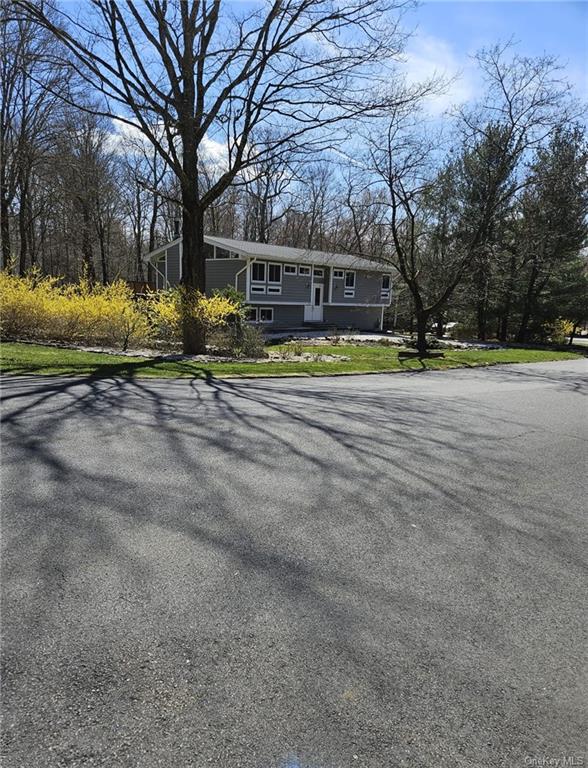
199	70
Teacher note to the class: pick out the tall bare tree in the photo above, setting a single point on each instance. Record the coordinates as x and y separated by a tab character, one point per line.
198	69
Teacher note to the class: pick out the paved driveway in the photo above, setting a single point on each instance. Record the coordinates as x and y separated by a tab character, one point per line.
364	571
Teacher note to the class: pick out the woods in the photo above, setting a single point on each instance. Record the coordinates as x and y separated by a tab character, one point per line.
292	125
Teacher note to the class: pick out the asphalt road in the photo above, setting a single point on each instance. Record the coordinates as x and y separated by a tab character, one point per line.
364	571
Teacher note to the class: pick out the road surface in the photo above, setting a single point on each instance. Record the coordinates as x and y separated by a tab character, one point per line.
359	571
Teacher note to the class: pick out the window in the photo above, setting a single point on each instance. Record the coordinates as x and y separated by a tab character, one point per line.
257	289
274	289
385	292
350	279
251	315
274	273
290	269
318	272
266	314
258	272
338	274
303	270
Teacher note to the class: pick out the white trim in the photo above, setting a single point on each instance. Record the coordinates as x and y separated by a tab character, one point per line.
350	287
258	281
161	248
259	320
382	320
304	274
278	303
316	270
338	277
293	266
181	256
274	264
274	289
351	304
330	286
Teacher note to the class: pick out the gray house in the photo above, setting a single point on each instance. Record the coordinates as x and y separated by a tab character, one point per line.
288	287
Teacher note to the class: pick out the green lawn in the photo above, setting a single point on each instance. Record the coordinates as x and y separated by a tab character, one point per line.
37	359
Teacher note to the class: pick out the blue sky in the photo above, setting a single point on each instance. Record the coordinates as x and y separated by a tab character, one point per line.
447	33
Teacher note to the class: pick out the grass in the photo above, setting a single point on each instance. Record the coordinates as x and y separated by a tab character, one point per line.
36	359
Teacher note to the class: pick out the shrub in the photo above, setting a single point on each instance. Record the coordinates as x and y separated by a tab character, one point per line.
558	330
164	310
37	307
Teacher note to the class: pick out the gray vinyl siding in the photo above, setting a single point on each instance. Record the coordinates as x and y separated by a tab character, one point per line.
173	264
222	272
295	288
359	318
242	282
284	316
368	288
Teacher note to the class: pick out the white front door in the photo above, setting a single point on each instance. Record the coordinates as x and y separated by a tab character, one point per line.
313	313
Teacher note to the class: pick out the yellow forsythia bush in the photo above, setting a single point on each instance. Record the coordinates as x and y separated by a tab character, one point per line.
38	307
164	309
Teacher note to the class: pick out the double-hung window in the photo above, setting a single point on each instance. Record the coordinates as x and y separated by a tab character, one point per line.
258	277
274	278
349	291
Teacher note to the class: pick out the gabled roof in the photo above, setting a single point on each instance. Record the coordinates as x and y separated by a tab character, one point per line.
284	253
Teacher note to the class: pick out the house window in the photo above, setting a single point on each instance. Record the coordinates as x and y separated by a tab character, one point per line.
258	272
251	315
385	293
274	273
266	314
350	279
318	272
290	269
274	289
338	274
303	270
257	289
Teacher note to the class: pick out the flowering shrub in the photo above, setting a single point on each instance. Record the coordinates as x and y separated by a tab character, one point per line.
164	309
39	308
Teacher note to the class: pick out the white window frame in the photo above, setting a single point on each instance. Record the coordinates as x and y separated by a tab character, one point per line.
385	292
258	264
290	269
350	272
265	309
257	288
274	289
304	270
253	319
274	264
319	272
338	274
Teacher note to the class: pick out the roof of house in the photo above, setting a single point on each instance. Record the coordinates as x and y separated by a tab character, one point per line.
287	254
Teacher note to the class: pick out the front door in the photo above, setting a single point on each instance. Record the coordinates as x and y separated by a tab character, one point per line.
313	313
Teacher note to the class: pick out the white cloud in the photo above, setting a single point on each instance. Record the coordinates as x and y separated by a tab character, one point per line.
428	57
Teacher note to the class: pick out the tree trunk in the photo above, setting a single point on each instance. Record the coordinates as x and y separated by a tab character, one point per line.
481	319
87	256
22	231
503	328
440	327
422	319
193	274
4	225
526	316
572	334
